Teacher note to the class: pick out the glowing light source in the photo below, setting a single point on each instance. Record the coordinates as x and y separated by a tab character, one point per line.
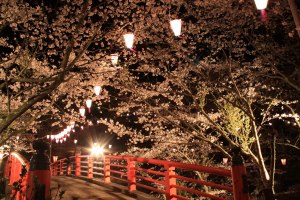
96	150
129	37
97	89
55	158
72	124
225	161
109	146
283	161
261	4
176	26
75	141
48	136
89	104
114	59
82	112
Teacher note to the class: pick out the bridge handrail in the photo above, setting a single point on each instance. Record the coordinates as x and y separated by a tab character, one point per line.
12	171
127	170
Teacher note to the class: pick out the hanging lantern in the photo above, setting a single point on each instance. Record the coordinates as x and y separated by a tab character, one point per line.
52	137
75	141
48	136
176	26
82	112
65	139
114	59
261	4
109	146
283	161
55	158
129	40
97	89
89	104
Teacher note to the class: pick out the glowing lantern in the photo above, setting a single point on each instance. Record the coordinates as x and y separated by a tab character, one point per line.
75	141
129	40
55	158
283	161
109	146
97	89
89	104
48	136
261	4
114	59
225	161
82	112
176	26
65	139
52	137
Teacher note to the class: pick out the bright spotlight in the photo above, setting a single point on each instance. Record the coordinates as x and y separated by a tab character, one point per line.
97	151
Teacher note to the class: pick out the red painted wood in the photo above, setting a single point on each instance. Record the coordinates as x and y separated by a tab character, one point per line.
107	170
238	187
214	185
43	177
90	167
199	193
169	181
77	164
131	174
169	175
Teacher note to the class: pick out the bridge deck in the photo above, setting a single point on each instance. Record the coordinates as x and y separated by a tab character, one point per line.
78	189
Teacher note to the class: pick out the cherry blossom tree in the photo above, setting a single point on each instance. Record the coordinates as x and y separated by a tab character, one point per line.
223	81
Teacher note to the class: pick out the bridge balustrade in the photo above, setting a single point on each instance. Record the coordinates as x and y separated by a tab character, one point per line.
172	179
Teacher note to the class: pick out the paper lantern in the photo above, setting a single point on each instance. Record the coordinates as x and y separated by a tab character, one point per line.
176	26
129	37
261	4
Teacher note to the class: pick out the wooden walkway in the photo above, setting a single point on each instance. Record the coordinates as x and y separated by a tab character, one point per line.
78	189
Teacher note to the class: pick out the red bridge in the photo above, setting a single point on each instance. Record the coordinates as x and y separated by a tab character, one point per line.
124	177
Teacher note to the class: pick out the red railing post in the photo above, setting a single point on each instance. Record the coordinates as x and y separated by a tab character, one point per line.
90	167
61	169
131	174
106	169
55	168
69	169
77	164
170	182
238	171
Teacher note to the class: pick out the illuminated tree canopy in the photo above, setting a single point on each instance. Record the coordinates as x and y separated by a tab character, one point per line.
231	79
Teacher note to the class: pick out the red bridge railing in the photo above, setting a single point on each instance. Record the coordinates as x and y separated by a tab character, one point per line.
13	168
172	179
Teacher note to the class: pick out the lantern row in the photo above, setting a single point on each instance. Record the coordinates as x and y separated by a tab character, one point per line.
129	39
